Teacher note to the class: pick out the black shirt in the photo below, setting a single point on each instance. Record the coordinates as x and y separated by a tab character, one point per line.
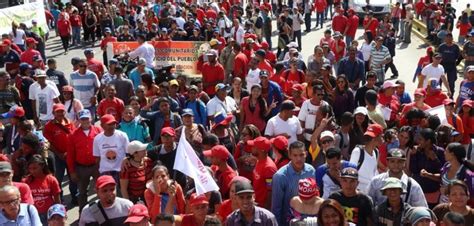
358	209
57	77
360	94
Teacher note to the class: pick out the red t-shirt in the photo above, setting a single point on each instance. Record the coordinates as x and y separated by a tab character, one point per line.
262	183
27	56
271	57
58	134
278	79
114	107
340	54
240	65
353	23
372	26
211	14
25	192
264	65
212	74
96	66
320	5
188	220
106	40
43	191
291	78
224	210
200	15
223	179
435	99
339	23
75	20
64	28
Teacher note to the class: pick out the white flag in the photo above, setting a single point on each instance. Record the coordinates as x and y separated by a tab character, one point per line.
440	112
188	163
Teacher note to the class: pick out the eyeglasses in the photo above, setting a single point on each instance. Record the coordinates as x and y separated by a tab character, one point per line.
10	202
326	141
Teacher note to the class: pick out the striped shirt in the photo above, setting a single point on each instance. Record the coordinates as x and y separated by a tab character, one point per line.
84	86
378	56
137	178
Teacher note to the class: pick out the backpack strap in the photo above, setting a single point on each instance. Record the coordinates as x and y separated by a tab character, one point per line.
98	213
28	207
361	157
453	119
341	140
407	195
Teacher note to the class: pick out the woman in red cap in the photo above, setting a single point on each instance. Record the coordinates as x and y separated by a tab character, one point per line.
280	149
72	105
242	154
467	117
307	203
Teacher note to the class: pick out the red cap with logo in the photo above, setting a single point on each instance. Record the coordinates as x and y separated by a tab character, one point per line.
218	151
374	130
168	131
307	188
58	107
260	143
137	213
195	200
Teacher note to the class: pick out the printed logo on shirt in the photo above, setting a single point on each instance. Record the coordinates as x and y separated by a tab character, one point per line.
352	214
111	155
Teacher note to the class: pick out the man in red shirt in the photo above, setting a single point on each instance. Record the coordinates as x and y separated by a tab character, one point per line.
339	21
240	62
263	63
57	132
292	76
111	104
222	171
30	52
338	46
212	73
103	44
263	171
6	177
370	23
79	155
270	55
198	208
434	95
93	64
351	28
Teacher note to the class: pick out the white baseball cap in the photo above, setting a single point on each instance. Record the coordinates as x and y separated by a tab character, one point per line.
135	146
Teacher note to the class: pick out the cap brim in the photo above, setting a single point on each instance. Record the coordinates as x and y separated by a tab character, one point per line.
245	191
57	213
109	183
351	177
207	153
370	134
6	170
134	219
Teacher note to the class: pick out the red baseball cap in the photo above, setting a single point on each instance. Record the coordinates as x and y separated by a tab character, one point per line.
260	143
195	200
307	188
374	130
104	180
137	213
168	131
264	45
280	142
18	112
297	87
107	119
467	103
218	151
448	101
58	107
420	91
6	42
30	41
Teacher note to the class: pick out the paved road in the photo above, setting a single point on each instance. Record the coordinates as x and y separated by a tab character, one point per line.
406	58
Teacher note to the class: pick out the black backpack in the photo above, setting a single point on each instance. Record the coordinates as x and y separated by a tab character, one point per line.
362	156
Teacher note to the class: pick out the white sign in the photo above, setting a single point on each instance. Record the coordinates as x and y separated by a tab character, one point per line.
440	112
22	14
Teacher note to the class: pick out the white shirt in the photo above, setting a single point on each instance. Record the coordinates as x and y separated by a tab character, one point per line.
368	169
111	150
276	126
146	51
296	26
365	49
307	115
18	38
429	72
180	22
239	37
222	24
215	105
252	78
43	98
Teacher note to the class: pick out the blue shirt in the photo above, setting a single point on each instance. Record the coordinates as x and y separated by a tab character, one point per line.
135	76
200	116
28	216
285	187
404	98
353	70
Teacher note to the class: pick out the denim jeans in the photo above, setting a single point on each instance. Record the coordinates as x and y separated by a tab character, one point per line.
328	9
319	19
59	174
348	41
307	21
76	35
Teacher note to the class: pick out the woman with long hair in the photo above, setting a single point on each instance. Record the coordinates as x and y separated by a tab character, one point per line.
458	196
71	104
280	150
467	117
359	126
237	91
18	36
425	163
142	98
242	154
331	214
366	48
406	138
64	30
90	22
254	109
163	195
455	169
151	89
343	97
464	27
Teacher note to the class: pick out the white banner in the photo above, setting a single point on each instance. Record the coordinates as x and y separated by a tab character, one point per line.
188	163
440	112
22	14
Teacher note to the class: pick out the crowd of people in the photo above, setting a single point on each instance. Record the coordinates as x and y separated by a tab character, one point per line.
325	139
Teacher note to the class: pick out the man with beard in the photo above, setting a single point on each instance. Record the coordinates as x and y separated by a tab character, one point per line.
109	209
